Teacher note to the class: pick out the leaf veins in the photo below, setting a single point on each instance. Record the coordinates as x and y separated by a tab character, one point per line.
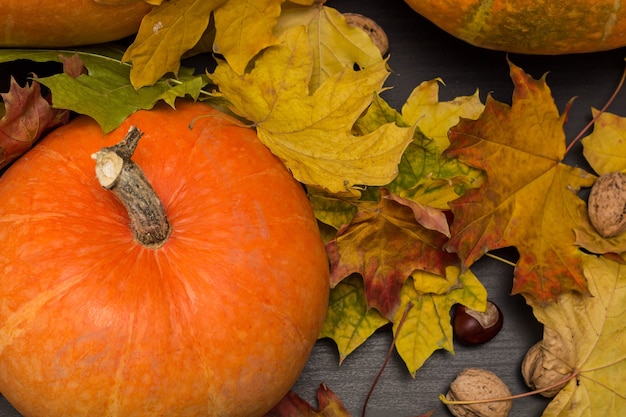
529	199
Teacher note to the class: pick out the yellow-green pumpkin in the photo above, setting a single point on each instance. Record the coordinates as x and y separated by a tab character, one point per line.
542	27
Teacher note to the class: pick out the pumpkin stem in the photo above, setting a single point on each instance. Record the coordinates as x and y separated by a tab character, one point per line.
118	173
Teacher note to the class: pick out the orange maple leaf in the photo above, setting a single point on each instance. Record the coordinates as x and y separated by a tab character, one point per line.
529	200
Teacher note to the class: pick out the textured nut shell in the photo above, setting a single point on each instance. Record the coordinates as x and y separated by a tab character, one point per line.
546	363
477	384
373	29
607	204
487	318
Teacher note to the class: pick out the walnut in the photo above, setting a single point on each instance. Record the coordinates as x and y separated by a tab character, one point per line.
607	204
479	384
373	29
546	364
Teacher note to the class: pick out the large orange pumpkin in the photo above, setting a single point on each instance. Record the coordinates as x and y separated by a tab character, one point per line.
546	27
216	320
64	23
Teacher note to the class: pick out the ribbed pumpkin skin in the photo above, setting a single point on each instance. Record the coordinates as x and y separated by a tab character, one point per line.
64	23
219	321
542	27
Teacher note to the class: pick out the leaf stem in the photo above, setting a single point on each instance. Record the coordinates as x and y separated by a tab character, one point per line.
604	108
91	54
499	258
389	353
444	400
178	82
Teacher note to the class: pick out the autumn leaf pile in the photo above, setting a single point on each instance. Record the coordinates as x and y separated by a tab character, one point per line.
407	199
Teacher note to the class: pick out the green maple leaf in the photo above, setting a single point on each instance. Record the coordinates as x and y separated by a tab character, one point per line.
349	322
529	198
105	92
331	210
427	177
424	174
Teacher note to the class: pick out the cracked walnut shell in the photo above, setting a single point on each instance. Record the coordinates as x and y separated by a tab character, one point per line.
479	384
546	364
607	204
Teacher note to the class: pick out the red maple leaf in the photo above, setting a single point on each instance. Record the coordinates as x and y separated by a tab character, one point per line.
27	116
329	405
386	242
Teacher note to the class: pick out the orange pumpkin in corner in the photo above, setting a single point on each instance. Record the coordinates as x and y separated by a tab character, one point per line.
66	23
183	276
542	27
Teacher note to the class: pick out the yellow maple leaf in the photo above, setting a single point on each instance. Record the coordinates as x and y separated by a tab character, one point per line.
434	117
168	31
591	329
312	132
427	326
244	28
334	43
605	148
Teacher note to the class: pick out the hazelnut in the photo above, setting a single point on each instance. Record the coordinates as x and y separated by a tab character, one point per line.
373	29
607	204
473	327
479	384
545	365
